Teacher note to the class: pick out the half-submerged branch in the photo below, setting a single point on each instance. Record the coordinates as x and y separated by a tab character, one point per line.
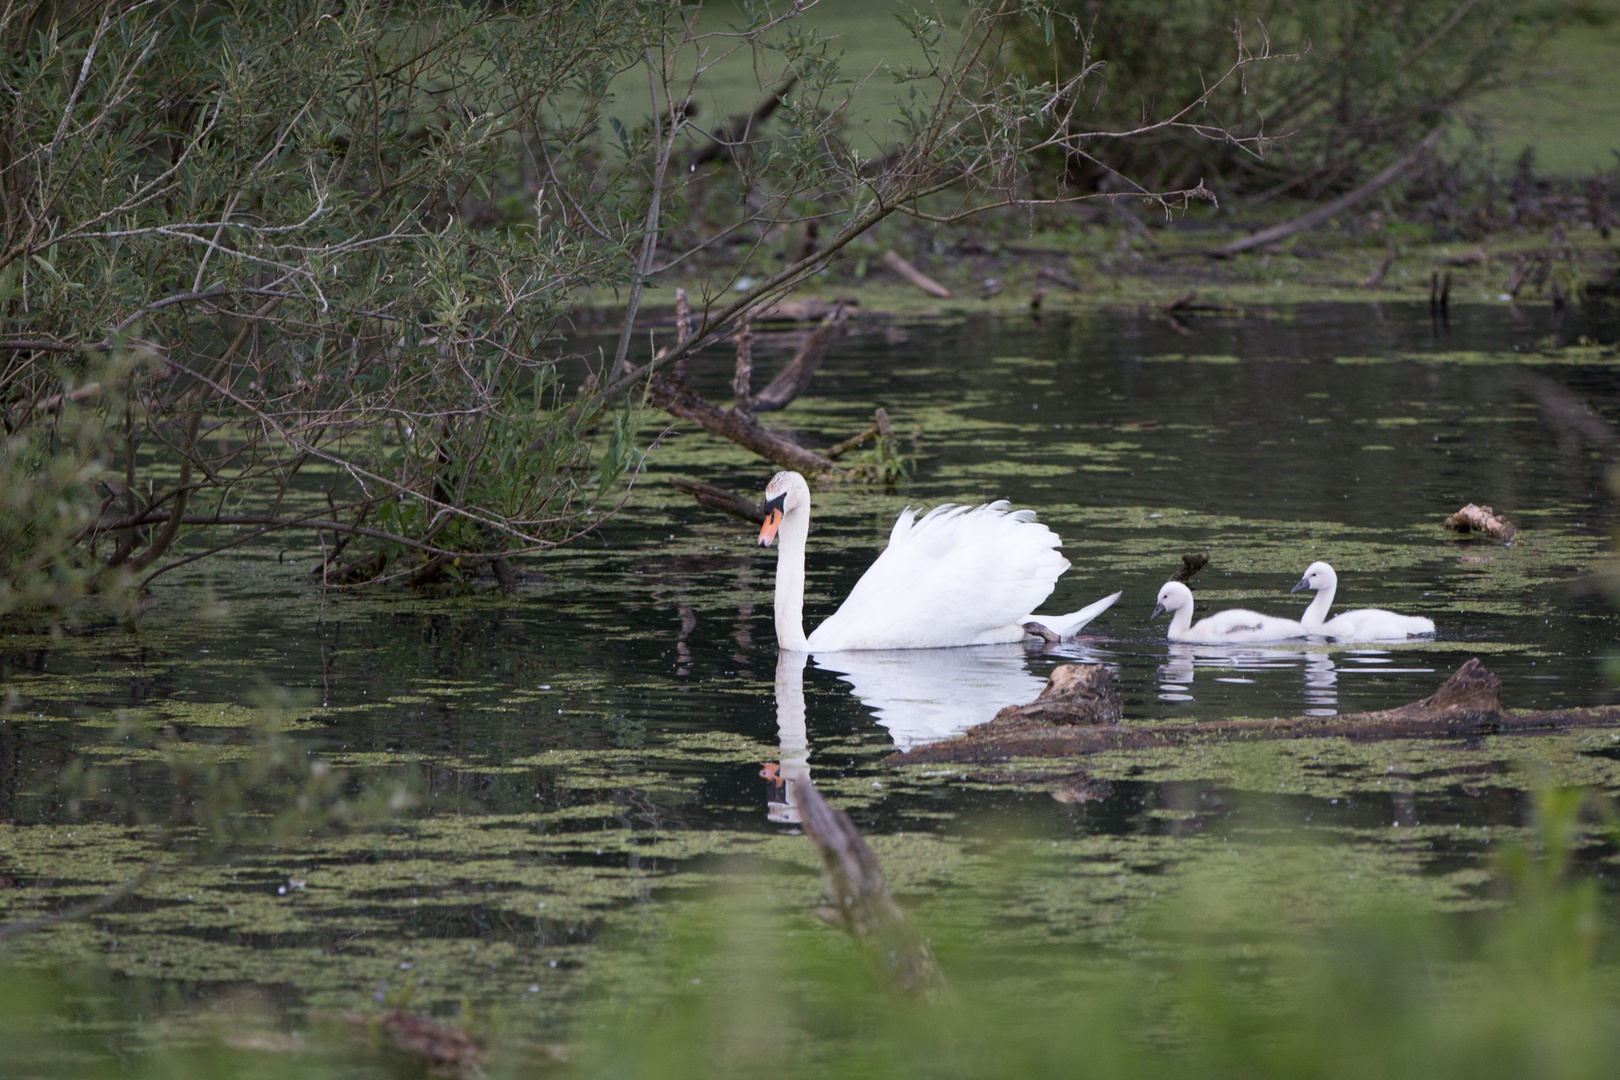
1467	705
739	427
859	897
795	378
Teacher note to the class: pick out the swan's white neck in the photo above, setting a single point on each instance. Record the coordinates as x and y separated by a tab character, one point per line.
790	540
1180	622
1316	614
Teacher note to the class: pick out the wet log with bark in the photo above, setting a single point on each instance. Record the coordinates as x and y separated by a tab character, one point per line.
1074	694
795	377
859	900
1190	565
738	426
1484	521
894	262
1467	705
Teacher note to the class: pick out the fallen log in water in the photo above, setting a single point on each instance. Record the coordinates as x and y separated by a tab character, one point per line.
894	262
738	426
1074	694
1467	705
1482	520
794	378
859	895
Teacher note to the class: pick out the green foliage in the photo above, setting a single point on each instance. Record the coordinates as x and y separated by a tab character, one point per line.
53	455
1352	86
306	219
1383	992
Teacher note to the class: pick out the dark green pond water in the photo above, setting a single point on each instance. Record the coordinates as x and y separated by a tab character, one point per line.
588	753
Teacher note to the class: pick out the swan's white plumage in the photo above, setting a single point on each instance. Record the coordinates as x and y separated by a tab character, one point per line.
1235	625
955	576
1362	624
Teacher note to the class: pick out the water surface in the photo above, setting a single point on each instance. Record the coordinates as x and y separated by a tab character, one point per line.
590	750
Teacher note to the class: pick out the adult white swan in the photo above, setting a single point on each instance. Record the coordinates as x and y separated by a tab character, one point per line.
955	577
1363	624
1232	625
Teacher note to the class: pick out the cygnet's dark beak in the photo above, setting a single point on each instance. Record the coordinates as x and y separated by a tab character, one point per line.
1158	609
1304	584
773	519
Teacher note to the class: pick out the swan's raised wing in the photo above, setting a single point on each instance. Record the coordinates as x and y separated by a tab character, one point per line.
947	579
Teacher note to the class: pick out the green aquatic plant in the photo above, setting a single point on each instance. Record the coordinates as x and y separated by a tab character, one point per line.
1232	979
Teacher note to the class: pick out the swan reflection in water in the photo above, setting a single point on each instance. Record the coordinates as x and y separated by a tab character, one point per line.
793	767
924	695
919	695
1234	663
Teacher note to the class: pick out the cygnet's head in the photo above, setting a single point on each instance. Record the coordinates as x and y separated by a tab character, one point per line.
1173	597
1318	576
787	492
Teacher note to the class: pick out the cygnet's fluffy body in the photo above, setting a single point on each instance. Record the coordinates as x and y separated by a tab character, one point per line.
1234	626
1363	624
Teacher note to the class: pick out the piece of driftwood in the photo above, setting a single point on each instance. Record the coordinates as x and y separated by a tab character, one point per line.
739	427
683	331
851	443
1190	565
1376	278
794	378
1482	520
1327	211
1074	694
894	262
1466	706
880	418
1188	301
859	899
1521	270
717	498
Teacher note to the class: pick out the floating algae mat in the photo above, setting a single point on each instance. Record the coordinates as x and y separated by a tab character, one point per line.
582	759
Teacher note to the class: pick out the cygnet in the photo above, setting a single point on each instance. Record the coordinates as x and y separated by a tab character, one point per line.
1234	626
1364	624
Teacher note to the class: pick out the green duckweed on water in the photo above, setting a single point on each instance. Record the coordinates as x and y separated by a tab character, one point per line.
549	812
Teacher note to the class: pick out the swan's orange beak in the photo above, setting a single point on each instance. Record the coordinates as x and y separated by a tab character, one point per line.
774	509
773	521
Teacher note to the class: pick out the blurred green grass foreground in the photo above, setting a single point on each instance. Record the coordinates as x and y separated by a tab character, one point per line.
1302	977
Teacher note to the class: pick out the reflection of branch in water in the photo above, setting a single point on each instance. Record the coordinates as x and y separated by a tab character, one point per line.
744	634
683	651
